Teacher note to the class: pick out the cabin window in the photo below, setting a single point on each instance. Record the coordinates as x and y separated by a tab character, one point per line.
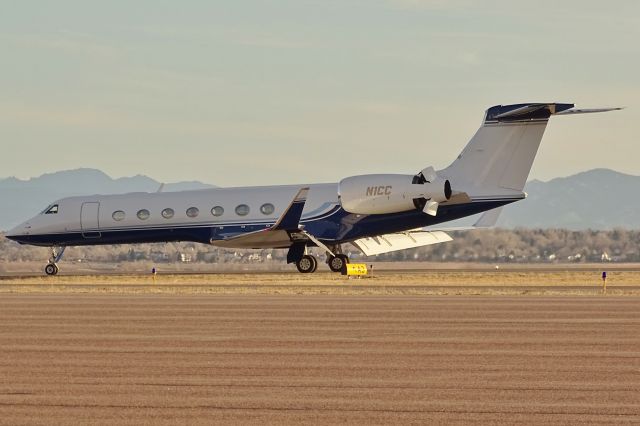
267	208
168	213
217	211
143	214
52	210
118	215
193	212
242	210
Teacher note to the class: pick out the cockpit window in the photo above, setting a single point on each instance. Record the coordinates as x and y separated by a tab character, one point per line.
52	210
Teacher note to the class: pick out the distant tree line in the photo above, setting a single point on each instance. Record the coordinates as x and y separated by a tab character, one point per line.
531	246
494	245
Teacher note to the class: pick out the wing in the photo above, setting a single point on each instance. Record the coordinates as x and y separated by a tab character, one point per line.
372	246
380	244
282	234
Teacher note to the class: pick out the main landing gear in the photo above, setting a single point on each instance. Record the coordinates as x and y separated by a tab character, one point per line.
307	264
338	262
52	266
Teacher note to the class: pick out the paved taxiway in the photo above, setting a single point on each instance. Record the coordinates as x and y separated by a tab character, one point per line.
321	359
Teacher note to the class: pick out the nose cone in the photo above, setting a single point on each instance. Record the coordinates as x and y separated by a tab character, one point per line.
11	235
19	233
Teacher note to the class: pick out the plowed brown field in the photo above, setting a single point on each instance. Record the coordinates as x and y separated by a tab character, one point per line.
157	359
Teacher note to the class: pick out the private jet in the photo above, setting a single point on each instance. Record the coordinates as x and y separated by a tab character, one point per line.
376	213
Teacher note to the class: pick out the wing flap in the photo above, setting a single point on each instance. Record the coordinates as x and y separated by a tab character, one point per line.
372	246
265	238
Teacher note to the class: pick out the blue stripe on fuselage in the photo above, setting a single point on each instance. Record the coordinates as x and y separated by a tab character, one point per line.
336	227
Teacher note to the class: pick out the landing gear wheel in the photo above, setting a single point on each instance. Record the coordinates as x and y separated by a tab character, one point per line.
307	264
338	262
56	255
51	269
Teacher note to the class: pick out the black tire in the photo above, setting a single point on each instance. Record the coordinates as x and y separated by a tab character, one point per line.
315	264
307	264
51	269
338	263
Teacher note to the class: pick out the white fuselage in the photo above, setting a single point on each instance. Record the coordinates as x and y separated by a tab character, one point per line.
218	207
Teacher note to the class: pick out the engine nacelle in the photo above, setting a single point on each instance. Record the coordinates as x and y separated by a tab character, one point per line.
380	194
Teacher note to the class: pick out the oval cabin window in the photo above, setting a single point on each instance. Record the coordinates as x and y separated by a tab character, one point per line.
267	209
193	212
143	214
242	210
118	215
167	213
217	211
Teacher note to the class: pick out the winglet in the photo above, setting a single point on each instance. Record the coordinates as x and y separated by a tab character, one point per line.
488	218
290	219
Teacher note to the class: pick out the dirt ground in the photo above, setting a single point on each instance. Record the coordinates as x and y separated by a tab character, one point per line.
159	359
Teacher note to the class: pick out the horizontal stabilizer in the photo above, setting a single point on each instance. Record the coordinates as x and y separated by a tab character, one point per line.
372	246
535	111
588	111
524	112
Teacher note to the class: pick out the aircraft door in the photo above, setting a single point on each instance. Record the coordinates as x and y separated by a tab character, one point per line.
89	220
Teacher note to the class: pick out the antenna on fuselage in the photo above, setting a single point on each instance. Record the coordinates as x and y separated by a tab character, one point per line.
161	187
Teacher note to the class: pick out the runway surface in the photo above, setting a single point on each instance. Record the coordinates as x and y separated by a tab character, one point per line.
387	283
113	359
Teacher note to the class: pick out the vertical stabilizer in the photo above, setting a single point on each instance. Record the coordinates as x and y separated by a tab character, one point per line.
499	156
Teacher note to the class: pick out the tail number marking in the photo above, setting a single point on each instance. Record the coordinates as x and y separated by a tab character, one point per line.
378	190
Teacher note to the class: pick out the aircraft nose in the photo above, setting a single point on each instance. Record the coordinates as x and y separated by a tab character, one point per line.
11	235
19	231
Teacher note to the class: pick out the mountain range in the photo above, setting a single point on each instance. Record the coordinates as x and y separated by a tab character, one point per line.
596	199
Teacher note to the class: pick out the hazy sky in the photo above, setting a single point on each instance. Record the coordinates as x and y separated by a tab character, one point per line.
259	92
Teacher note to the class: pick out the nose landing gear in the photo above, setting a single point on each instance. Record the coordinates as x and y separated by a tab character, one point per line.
56	255
51	269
